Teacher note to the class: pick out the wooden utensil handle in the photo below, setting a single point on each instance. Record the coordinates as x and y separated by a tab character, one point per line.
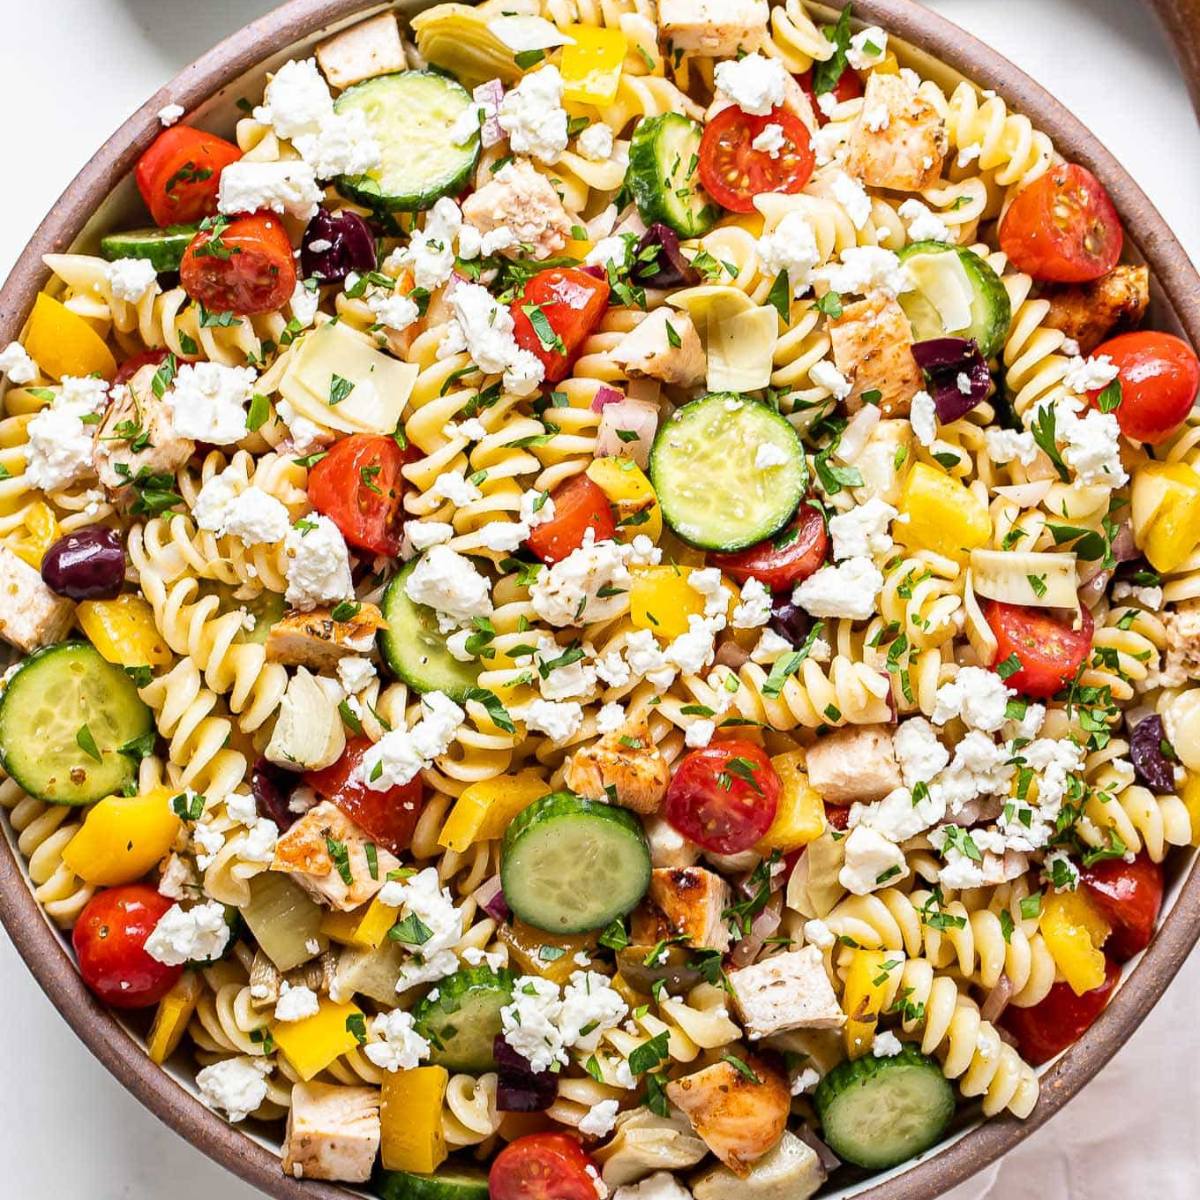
1182	21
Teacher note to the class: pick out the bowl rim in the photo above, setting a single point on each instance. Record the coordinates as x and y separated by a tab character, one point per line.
42	947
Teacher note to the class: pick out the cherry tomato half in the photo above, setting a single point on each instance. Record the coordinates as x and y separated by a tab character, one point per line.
389	817
724	796
578	505
1129	895
554	315
1063	227
542	1166
1048	650
1159	377
358	486
243	267
131	366
1061	1018
733	172
848	87
787	558
110	939
179	174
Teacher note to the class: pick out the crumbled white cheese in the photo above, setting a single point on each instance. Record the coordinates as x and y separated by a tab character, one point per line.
430	251
451	584
400	1046
871	862
596	142
792	247
1005	445
487	330
867	48
977	696
886	1044
284	186
599	1119
60	438
355	673
754	608
558	720
189	935
846	590
699	732
1089	374
610	718
207	402
754	83
1091	442
919	751
924	225
533	116
393	310
237	1086
400	755
817	933
420	535
568	592
296	1002
770	141
825	375
541	1025
130	278
863	269
862	531
16	364
852	196
252	515
169	114
923	418
451	485
769	455
318	564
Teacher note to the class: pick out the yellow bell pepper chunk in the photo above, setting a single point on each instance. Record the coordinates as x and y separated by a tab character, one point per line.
314	1043
800	817
1074	932
868	979
63	343
123	630
172	1016
661	599
591	65
1190	795
535	951
942	514
42	529
122	838
577	248
630	493
364	927
1166	513
410	1119
485	810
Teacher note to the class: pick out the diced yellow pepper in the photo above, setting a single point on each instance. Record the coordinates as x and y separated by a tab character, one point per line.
410	1119
364	927
577	248
314	1043
591	65
536	952
122	837
38	519
485	810
172	1016
800	817
630	493
1190	795
868	979
661	599
942	514
1165	504
63	343
1074	932
123	630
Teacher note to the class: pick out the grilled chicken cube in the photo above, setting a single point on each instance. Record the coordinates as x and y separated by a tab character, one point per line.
137	417
853	765
332	1132
650	349
786	991
1183	645
626	761
792	1171
692	901
31	615
524	202
900	140
316	640
713	27
872	346
363	51
1089	312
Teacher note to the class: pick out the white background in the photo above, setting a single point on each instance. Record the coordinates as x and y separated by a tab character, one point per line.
70	71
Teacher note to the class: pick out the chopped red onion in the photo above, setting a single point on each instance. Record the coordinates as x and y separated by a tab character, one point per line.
628	417
489	895
829	1160
606	395
762	927
1124	549
944	361
668	268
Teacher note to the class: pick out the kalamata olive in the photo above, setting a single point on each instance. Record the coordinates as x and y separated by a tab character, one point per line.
271	788
1151	764
520	1088
789	620
334	244
87	564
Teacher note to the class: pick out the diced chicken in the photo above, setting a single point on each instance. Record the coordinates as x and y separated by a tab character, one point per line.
332	1132
740	1116
525	203
625	766
1183	645
1089	312
668	847
713	27
786	991
363	51
872	346
326	853
31	615
137	417
855	764
315	639
692	901
650	349
644	1142
792	1171
900	139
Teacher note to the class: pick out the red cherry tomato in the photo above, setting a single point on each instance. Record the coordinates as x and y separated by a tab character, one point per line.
578	505
179	174
724	796
571	303
542	1166
1058	1020
131	366
1063	227
733	172
1129	895
789	557
389	817
245	267
837	816
1159	378
848	87
358	486
109	940
1048	650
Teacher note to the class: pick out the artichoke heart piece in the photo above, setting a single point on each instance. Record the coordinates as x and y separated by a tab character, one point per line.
458	38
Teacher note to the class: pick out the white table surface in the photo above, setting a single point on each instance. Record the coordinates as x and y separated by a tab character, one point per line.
70	70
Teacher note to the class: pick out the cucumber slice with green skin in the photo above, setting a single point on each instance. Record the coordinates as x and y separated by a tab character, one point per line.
411	115
462	1023
878	1112
450	1183
162	247
569	865
415	649
662	175
941	280
702	465
60	700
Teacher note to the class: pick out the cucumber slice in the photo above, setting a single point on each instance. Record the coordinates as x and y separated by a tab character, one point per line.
878	1112
411	114
163	247
60	700
662	175
450	1183
702	465
570	865
462	1023
957	295
414	648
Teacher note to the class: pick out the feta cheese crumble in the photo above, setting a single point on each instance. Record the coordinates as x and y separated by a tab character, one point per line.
189	935
863	530
533	116
318	564
846	590
207	402
754	83
400	1047
237	1086
399	756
